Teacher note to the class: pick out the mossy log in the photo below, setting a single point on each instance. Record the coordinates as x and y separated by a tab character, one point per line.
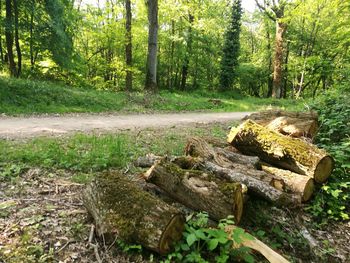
198	190
120	208
294	183
254	185
198	147
239	163
290	153
295	124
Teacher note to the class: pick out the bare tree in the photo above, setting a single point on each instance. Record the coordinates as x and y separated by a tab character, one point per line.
151	66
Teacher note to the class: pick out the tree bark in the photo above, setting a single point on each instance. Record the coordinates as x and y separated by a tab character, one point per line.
278	60
198	147
188	53
18	47
1	48
198	190
286	152
295	124
9	38
295	183
119	208
128	46
254	185
151	67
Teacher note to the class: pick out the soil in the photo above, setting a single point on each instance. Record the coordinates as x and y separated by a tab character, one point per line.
27	127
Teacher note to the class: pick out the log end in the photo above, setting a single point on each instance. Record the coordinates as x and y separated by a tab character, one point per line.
172	234
308	190
324	169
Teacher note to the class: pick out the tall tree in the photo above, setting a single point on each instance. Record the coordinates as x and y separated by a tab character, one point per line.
229	60
18	47
275	10
1	49
128	46
9	38
151	66
188	52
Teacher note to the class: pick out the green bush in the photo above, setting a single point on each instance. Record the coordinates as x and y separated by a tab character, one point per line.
332	200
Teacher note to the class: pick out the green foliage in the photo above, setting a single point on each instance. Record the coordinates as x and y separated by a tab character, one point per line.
202	243
332	200
229	60
26	97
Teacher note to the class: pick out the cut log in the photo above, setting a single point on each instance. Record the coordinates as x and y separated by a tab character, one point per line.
295	124
239	163
293	154
198	147
257	245
294	183
120	208
198	190
254	185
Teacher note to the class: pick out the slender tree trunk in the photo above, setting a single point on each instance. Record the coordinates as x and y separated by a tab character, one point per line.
1	49
188	52
151	67
31	40
171	69
128	46
278	60
285	72
18	48
269	79
9	39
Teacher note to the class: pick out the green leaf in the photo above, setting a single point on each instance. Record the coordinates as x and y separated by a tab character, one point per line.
191	238
212	244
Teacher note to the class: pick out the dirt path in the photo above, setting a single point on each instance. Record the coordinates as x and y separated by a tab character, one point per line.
26	127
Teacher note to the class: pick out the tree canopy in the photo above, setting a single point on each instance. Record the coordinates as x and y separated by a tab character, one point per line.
284	49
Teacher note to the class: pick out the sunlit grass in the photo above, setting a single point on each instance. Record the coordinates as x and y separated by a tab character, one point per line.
35	97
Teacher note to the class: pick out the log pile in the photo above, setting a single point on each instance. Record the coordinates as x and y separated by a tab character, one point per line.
269	161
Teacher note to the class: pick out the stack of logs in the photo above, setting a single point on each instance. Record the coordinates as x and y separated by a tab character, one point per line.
270	155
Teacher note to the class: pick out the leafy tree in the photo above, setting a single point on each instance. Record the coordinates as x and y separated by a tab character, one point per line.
229	61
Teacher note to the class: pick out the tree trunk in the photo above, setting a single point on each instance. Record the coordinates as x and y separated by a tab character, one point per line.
254	185
188	53
151	67
295	183
1	48
18	48
128	46
198	190
119	208
198	147
286	152
295	124
31	40
9	39
269	79
278	60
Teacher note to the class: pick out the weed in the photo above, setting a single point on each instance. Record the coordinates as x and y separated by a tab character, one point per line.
202	244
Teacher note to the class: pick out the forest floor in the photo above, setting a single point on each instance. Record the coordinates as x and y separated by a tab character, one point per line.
26	127
42	218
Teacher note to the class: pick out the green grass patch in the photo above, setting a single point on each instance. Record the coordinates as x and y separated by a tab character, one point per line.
19	96
92	153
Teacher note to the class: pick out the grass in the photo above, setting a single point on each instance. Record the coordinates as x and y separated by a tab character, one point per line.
18	97
93	153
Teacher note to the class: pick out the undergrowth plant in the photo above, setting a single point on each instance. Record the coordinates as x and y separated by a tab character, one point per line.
333	199
202	244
